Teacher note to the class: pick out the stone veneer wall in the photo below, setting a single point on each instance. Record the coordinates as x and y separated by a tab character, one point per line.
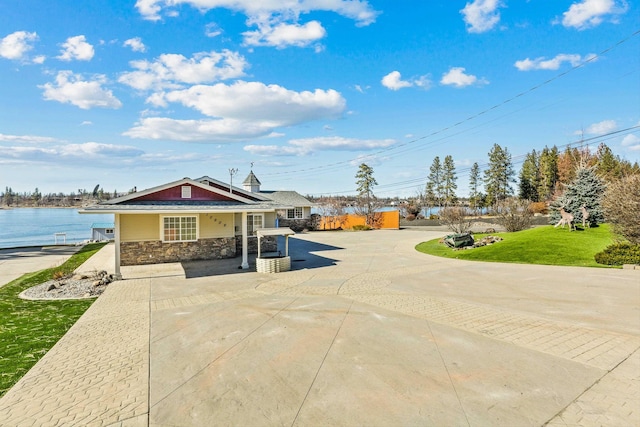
153	252
299	225
269	244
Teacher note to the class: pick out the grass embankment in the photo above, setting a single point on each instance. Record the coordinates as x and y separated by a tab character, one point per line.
28	329
541	245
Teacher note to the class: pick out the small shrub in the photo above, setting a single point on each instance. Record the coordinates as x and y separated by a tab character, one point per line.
360	227
514	214
434	216
539	208
410	217
58	274
619	253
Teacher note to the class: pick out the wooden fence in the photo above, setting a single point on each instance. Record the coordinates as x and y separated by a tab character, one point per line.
383	220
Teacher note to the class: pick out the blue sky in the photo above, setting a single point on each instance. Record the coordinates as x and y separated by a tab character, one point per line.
126	93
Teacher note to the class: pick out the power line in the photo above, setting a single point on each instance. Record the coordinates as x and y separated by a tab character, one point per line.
411	183
335	165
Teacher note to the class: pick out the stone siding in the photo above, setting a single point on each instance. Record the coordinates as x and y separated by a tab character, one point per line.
153	252
299	225
269	244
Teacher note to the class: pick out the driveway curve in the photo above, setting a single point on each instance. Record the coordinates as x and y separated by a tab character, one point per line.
363	331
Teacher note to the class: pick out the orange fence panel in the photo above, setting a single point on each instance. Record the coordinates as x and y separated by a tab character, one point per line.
385	220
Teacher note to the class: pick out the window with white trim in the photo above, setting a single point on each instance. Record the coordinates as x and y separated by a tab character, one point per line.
254	223
179	229
295	213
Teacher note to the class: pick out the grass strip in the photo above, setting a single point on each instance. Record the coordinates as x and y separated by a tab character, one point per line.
540	245
28	329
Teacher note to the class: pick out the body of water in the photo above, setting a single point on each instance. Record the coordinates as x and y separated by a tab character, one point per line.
38	226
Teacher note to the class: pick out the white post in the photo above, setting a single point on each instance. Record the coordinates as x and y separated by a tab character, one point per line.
259	245
286	245
117	274
245	242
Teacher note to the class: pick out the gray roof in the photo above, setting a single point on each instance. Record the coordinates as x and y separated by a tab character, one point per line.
251	180
288	198
103	225
185	208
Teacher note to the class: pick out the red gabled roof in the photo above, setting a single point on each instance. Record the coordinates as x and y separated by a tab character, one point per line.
172	192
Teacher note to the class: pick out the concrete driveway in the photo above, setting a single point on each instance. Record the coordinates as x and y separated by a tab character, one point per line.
16	262
363	331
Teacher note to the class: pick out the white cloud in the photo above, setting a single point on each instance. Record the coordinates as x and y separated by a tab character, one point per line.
361	89
602	127
256	101
456	77
149	9
277	22
394	81
481	15
283	35
78	153
95	149
358	10
542	63
239	111
29	139
207	130
305	146
212	30
16	45
173	70
95	154
135	44
72	89
76	48
591	13
39	59
631	142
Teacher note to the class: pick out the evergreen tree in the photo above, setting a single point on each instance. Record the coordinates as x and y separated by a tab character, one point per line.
586	189
449	178
499	175
430	198
365	182
529	178
548	173
435	179
475	196
567	164
609	166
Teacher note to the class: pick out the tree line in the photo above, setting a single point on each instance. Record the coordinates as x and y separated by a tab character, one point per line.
36	198
543	176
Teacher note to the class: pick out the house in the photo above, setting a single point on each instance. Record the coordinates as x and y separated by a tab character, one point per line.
297	217
101	231
188	220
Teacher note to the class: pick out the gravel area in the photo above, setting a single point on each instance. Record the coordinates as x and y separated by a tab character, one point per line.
68	288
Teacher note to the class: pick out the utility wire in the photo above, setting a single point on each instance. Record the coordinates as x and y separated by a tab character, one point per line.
339	164
515	160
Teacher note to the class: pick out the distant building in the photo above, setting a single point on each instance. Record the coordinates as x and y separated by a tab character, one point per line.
101	231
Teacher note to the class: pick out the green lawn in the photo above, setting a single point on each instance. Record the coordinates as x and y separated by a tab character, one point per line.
28	329
541	245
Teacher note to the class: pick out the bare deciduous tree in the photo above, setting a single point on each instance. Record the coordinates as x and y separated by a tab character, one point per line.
621	205
456	218
514	214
